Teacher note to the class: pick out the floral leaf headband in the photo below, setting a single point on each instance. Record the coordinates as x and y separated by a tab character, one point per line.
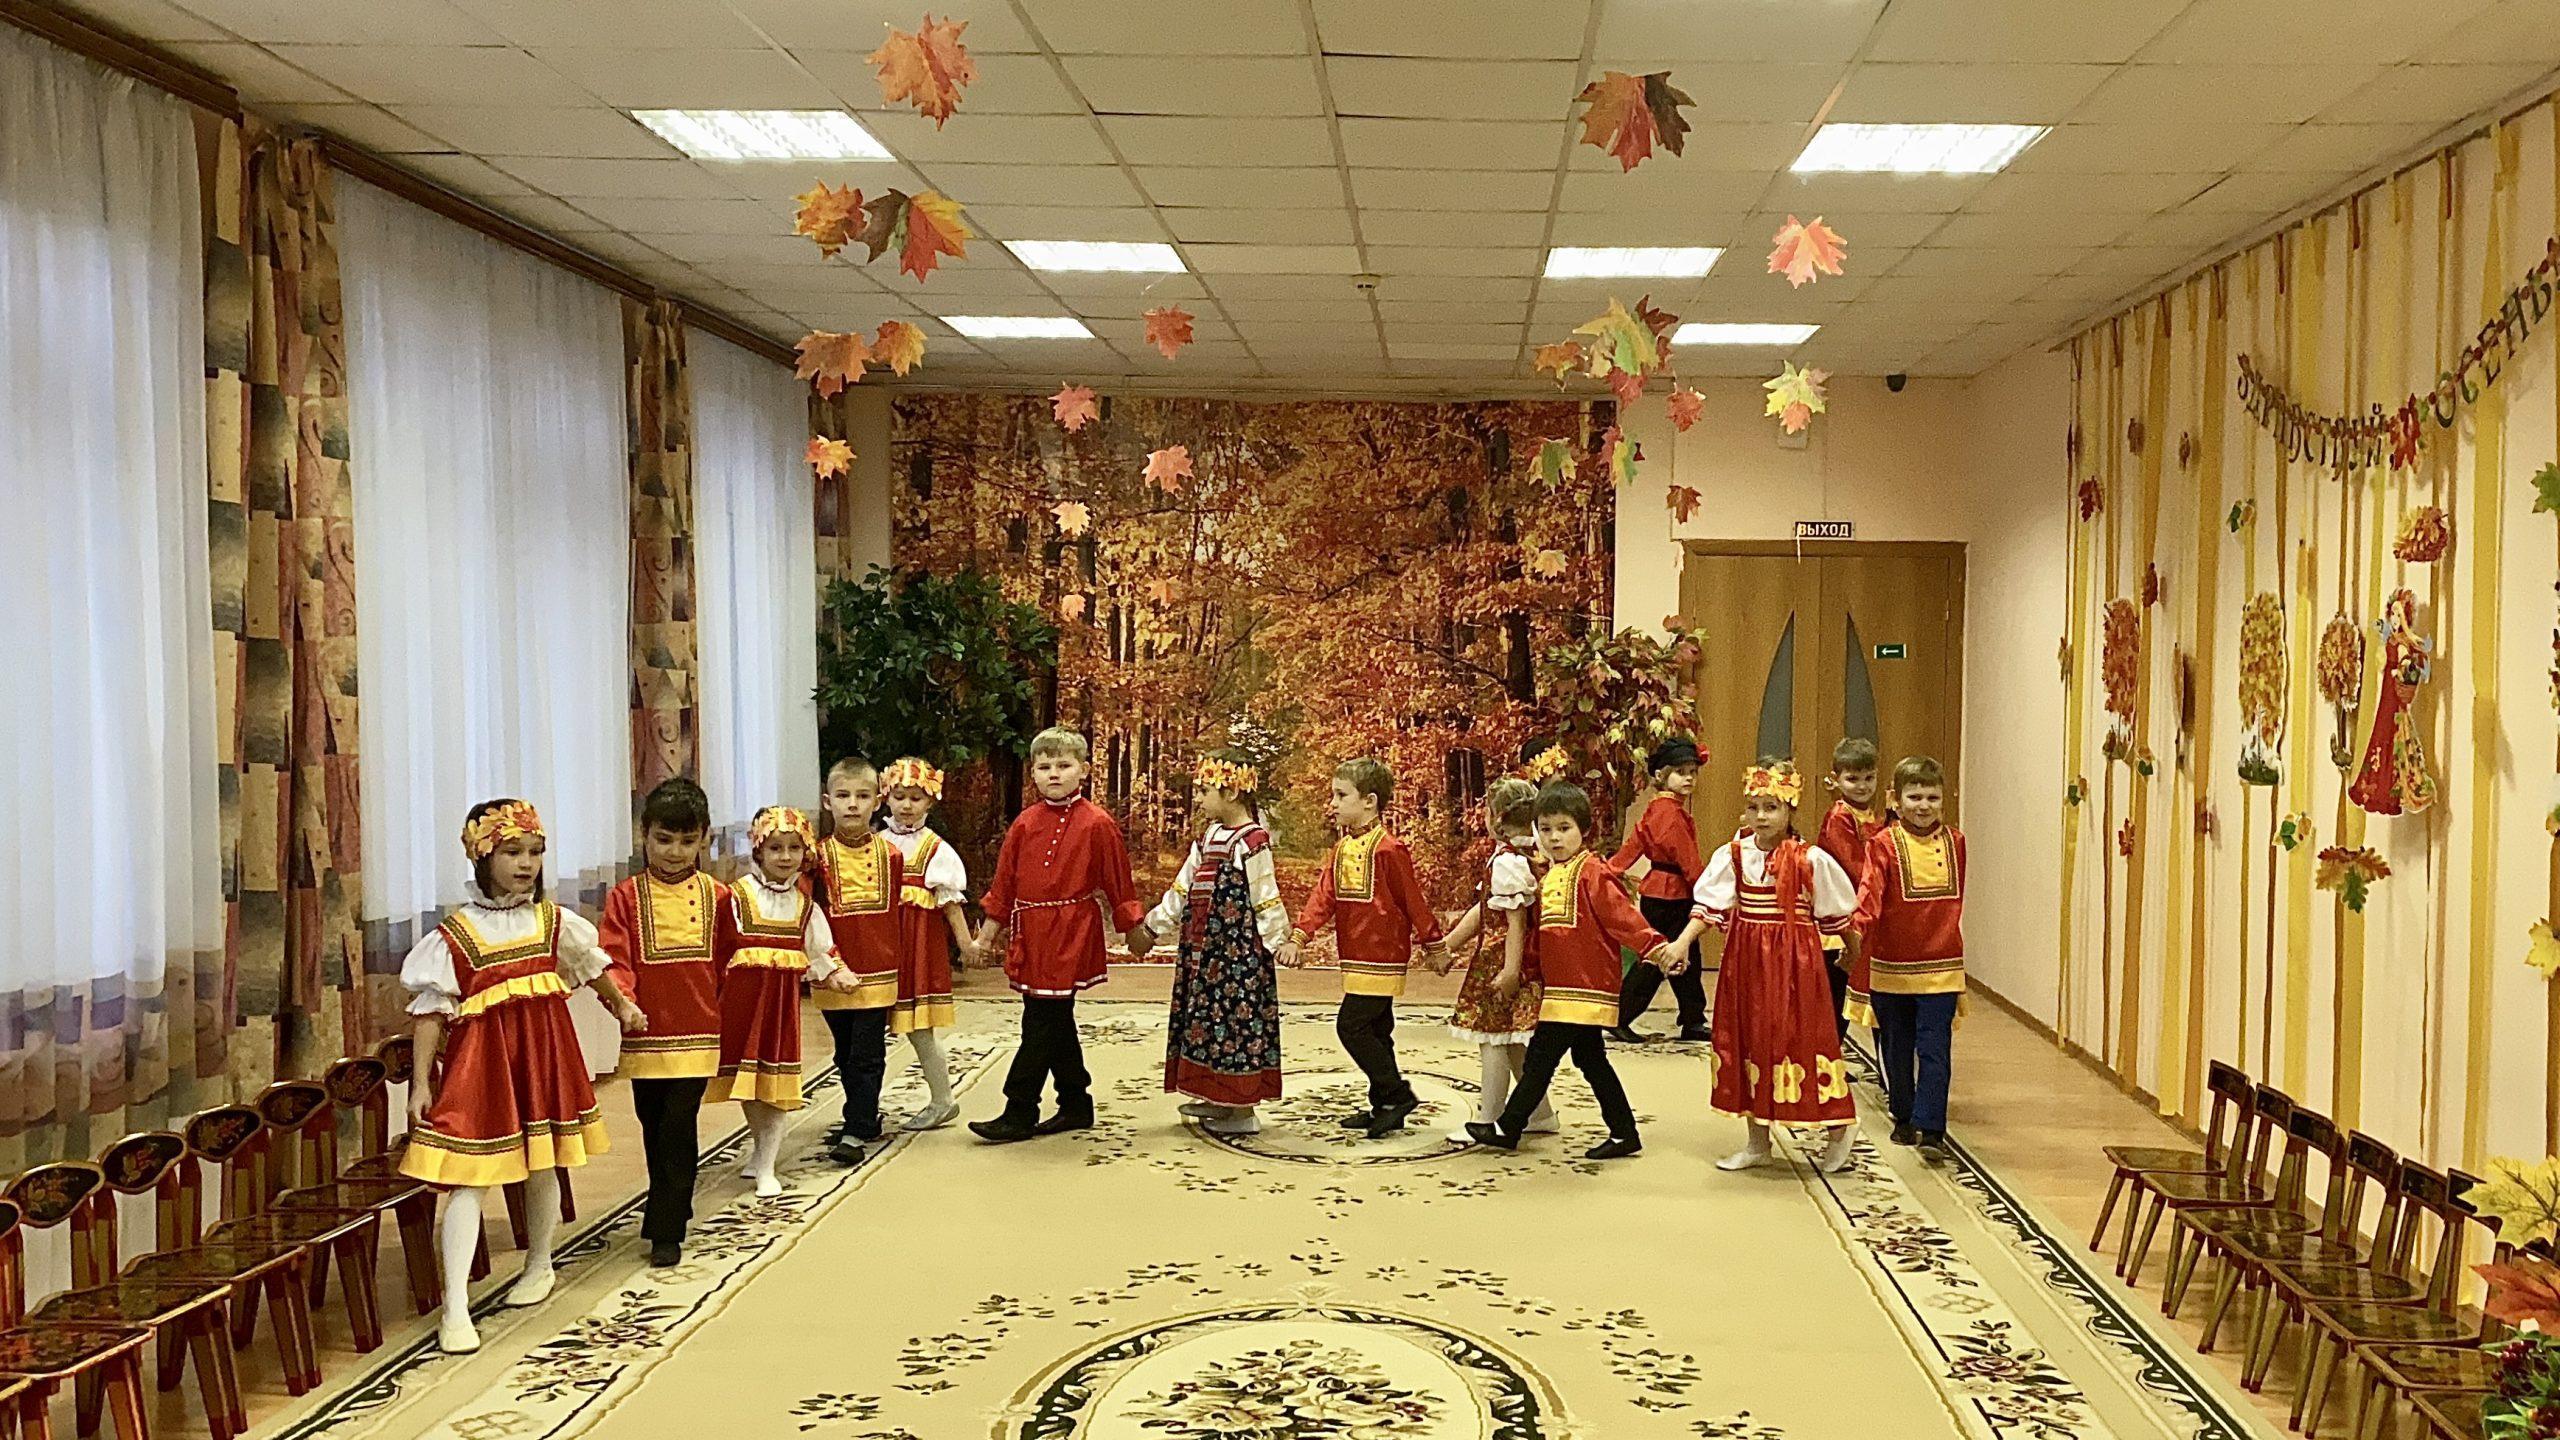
911	771
1547	764
516	818
1222	774
1779	781
775	820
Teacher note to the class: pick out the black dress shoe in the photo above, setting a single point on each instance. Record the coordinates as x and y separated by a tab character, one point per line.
1903	1134
1624	1034
1357	1120
1388	1119
665	1253
1492	1135
1064	1121
1933	1145
1003	1130
845	1152
1616	1147
1696	1032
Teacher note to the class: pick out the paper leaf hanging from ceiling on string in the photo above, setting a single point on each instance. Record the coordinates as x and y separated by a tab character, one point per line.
1686	405
1073	517
830	217
1554	464
1624	455
1169	467
920	227
1620	344
832	361
1795	397
1560	359
927	69
1682	501
1804	251
829	457
1075	407
899	346
1629	114
1168	329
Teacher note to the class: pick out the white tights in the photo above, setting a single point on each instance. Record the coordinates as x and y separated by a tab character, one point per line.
936	1066
766	1124
458	1237
1502	1066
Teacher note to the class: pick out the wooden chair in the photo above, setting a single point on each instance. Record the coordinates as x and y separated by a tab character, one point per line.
2241	1184
2342	1329
2388	1374
2234	1102
2370	1169
182	1315
300	1129
2454	1416
169	1167
35	1360
357	1087
2202	1234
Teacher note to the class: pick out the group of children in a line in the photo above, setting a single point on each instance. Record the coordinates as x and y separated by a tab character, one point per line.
705	978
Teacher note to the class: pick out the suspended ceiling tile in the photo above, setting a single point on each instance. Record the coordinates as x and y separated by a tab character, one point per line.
1326	314
2322	148
776	248
1265	227
1860	230
691	79
1066	222
1408	188
1487	260
1648	228
465	176
685	217
2141	194
2265	194
2036	227
1198	140
1300	187
590	132
2343	31
1657	190
2429	94
1489	29
1310	260
1834	195
346	22
2196	229
1478	144
1732	91
662	24
1945	92
1374	85
863	24
2506	31
258	75
1429	227
153	20
984	184
434	74
1155	288
624	179
1452	312
2020	31
1453	287
1133	27
1006	84
2030	260
367	126
991	139
1202	85
550	216
1762	148
2146	148
2259	91
1671	31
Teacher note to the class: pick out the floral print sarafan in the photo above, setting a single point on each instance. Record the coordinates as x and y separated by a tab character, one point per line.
1223	1043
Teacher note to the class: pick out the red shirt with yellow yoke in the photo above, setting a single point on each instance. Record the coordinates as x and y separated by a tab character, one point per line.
1064	869
1911	914
858	886
659	935
1583	917
1370	893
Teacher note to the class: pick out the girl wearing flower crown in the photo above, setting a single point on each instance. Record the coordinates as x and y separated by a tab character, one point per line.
1498	1000
1776	1057
772	935
931	900
510	1100
1222	1047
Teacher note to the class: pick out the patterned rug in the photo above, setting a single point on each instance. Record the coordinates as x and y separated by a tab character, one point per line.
1147	1281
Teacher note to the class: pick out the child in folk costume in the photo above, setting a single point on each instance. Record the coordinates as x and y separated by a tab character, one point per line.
1583	917
1498	999
658	928
1369	892
772	936
1777	1047
859	879
1911	925
1666	840
937	922
1062	875
1851	823
511	1100
1222	1047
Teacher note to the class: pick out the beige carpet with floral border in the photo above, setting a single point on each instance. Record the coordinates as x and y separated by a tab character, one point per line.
1147	1281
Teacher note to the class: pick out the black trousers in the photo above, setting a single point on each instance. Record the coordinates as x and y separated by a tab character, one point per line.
670	1111
1366	1025
862	1061
1050	1049
1550	1043
1835	963
1668	918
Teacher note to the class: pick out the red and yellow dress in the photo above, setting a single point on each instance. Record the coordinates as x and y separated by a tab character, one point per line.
1481	1016
512	1094
1846	833
1777	1047
1584	915
1063	871
1910	919
858	888
1369	892
934	876
659	936
770	937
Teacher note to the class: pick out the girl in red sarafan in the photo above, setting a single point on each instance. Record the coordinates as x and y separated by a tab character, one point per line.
1777	1046
772	936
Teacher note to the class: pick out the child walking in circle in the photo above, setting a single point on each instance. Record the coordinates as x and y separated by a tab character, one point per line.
1666	839
1847	828
1369	891
1777	1048
1911	922
859	880
1499	997
937	922
772	935
510	1101
1222	1046
1062	874
1583	917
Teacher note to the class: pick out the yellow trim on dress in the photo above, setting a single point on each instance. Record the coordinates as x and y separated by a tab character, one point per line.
932	1012
767	1082
769	957
1371	977
675	920
870	992
1560	1006
475	1164
669	1057
523	987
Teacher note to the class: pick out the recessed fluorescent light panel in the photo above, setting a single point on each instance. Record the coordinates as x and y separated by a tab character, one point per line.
1915	149
1145	259
1578	262
1019	327
1706	332
764	134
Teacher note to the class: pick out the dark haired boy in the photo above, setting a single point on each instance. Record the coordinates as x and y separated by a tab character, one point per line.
658	927
1911	923
1666	839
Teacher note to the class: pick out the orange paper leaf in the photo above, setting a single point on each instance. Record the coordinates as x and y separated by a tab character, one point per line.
1682	501
1806	249
830	217
1168	329
1628	114
1686	405
933	228
829	457
1560	359
1071	607
1169	467
926	69
899	346
1074	516
1795	417
833	361
1075	407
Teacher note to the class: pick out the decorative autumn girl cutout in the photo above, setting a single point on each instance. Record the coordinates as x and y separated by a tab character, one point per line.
2393	779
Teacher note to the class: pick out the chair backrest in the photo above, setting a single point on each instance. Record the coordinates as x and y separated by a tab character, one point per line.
13	1273
2307	1134
2235	1100
2370	1168
233	1139
155	1163
399	1057
2427	1237
65	1190
302	1119
2271	1115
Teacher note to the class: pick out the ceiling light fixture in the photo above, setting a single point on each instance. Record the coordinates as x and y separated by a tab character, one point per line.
1139	258
1915	149
1709	332
1584	262
764	134
1019	327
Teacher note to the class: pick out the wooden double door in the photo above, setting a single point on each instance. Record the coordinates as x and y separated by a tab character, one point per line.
1808	644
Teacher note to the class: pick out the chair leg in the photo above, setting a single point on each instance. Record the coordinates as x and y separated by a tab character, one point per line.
417	1218
244	1314
2364	1381
318	1288
2316	1362
205	1347
292	1324
88	1401
2106	1208
2225	1290
124	1397
2132	1221
35	1411
171	1342
356	1259
2150	1227
2182	1271
2266	1325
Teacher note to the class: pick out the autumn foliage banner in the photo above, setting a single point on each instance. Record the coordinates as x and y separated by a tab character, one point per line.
1327	579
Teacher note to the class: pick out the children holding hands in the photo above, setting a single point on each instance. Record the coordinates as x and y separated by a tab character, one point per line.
772	936
1498	999
1222	1042
859	880
1911	915
937	922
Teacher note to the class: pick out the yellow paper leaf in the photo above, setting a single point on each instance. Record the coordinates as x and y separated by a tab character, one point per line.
899	346
829	217
831	360
829	457
927	69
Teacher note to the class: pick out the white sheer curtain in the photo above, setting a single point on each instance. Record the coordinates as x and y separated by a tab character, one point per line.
755	582
493	545
108	809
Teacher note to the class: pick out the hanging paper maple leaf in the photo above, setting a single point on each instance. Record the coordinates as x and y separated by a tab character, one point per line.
898	345
1074	517
1627	386
1660	322
1071	608
1169	467
830	217
1629	114
927	68
919	227
1075	407
831	360
1559	359
1623	453
2546	489
1554	463
1805	250
829	457
1686	405
1548	564
1620	342
1795	397
1168	329
1683	503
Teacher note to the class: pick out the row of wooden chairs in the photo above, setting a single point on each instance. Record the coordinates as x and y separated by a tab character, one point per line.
2371	1275
288	1209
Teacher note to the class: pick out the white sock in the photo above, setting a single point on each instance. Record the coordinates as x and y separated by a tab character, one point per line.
936	1067
1494	1090
765	1123
457	1242
541	1219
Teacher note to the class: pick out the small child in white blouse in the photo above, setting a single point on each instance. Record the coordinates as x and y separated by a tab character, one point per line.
489	988
1222	1046
1498	1000
933	898
772	935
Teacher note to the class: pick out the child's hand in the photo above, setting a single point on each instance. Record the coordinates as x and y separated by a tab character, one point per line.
1507	984
843	983
633	1021
1669	959
1286	957
421	1100
1141	940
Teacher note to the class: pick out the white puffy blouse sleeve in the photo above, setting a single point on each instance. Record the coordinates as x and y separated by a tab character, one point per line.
1166	918
1262	887
1712	900
1835	895
947	875
428	975
818	942
1513	885
582	956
